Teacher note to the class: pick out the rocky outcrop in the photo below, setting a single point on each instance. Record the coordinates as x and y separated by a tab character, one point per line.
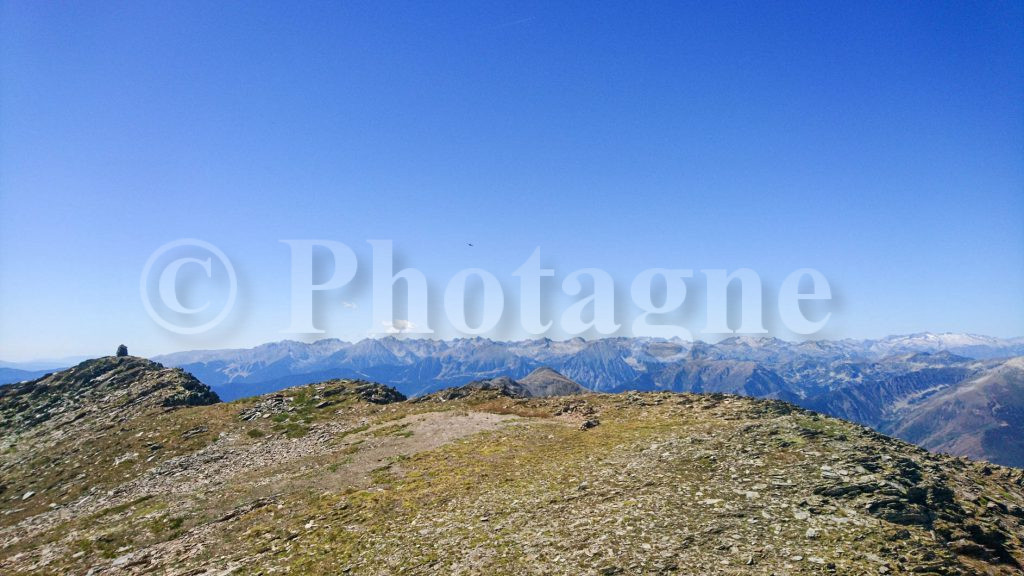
113	388
541	383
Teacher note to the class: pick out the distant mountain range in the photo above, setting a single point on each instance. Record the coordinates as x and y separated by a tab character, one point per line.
10	375
958	393
744	365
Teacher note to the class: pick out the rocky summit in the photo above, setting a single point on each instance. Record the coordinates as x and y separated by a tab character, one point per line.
122	466
542	382
110	389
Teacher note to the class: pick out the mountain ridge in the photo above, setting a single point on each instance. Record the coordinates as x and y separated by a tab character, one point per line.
348	476
880	383
240	365
541	383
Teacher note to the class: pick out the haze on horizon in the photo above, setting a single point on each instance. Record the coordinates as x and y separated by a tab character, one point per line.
882	145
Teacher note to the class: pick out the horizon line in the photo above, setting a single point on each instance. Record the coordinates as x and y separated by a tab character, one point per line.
56	362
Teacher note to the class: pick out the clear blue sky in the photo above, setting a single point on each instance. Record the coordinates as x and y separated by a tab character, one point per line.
880	143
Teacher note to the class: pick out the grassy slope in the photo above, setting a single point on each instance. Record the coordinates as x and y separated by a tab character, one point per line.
320	481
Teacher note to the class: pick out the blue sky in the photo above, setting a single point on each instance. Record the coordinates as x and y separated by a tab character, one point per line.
882	144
